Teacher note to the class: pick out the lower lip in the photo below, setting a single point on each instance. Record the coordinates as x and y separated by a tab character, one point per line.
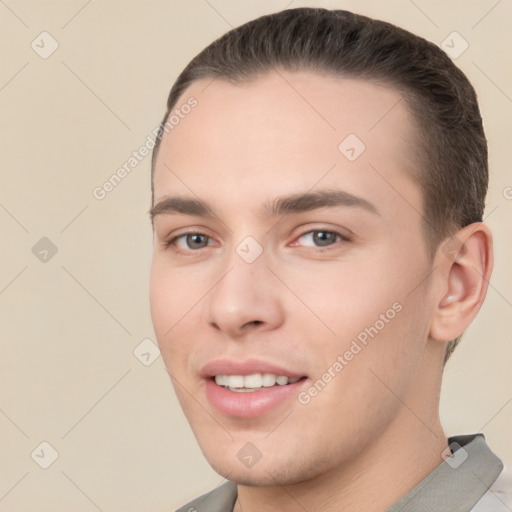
250	404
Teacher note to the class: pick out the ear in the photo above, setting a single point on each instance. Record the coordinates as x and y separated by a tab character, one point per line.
465	262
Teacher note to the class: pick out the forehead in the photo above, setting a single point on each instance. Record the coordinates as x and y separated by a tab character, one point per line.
285	131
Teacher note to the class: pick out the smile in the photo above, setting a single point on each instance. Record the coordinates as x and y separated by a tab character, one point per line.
250	388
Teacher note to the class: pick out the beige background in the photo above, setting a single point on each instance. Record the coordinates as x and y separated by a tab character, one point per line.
69	326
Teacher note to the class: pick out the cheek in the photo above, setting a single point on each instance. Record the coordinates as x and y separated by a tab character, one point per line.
171	301
178	296
173	293
160	299
367	312
360	373
345	296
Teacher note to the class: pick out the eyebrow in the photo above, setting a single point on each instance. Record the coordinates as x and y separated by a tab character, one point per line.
295	203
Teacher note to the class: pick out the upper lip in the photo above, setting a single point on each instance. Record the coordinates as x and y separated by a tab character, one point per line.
245	367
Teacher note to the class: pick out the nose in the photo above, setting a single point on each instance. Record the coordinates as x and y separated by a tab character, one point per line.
246	298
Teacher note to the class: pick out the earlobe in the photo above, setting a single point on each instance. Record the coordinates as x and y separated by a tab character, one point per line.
465	263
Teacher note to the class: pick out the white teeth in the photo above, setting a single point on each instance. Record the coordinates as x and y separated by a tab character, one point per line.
269	379
282	381
242	390
254	381
235	381
221	380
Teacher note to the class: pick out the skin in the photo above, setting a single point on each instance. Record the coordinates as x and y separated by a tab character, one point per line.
373	432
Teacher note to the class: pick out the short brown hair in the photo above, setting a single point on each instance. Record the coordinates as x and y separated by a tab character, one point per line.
452	148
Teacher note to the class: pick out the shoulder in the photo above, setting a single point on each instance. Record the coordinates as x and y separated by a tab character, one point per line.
220	499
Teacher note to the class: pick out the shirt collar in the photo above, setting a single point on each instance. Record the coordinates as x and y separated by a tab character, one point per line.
458	482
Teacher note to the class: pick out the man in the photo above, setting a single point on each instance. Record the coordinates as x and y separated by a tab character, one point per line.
318	193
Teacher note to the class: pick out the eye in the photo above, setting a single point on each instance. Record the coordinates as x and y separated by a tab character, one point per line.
321	238
189	241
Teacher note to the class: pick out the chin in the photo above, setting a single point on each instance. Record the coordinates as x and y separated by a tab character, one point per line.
283	471
253	477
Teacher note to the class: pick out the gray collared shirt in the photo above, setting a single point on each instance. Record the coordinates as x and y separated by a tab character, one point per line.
462	483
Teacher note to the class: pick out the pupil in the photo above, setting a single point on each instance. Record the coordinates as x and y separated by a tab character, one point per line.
194	240
323	238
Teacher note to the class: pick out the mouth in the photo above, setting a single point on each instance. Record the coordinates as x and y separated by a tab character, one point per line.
251	388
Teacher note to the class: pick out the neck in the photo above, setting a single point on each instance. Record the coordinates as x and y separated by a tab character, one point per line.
383	472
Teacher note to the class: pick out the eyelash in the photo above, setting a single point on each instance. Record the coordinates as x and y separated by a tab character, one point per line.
171	243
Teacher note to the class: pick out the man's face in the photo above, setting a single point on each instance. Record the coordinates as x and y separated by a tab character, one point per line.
335	296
